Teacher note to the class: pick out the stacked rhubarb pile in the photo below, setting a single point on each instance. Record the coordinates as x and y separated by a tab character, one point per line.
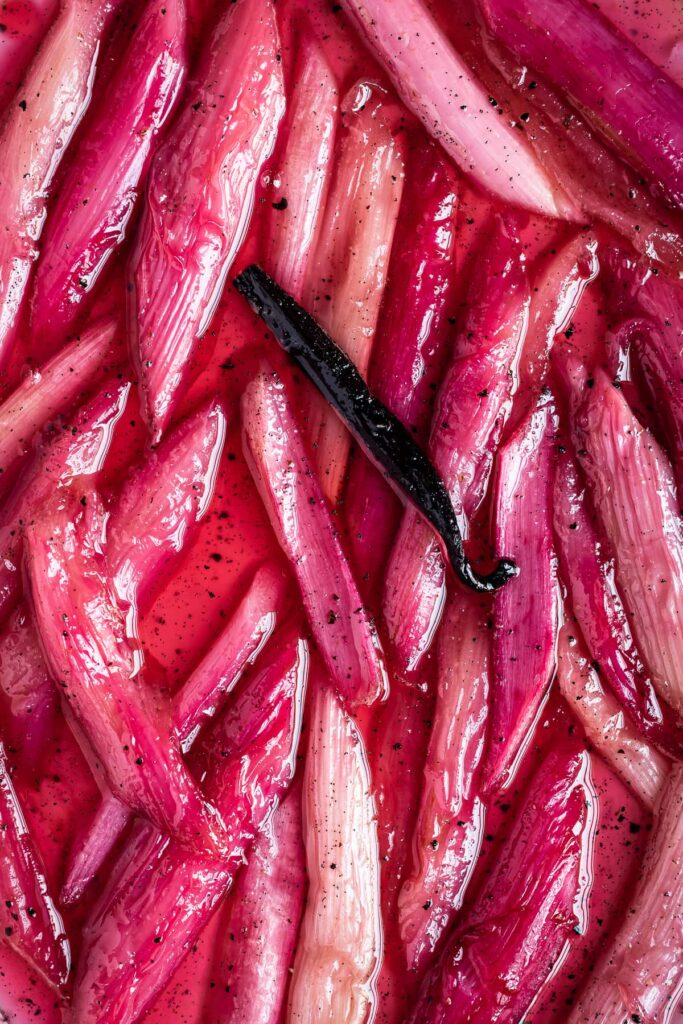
341	679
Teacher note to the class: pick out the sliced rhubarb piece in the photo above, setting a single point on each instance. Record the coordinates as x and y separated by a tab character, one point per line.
82	633
587	568
29	918
601	184
26	24
162	501
29	699
531	906
412	336
303	167
450	821
90	216
348	270
159	897
472	406
635	499
340	944
436	84
628	99
256	939
72	449
33	139
47	393
199	200
301	519
238	646
637	762
641	976
526	611
199	699
559	283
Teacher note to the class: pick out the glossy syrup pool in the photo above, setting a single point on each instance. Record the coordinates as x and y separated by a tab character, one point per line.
234	537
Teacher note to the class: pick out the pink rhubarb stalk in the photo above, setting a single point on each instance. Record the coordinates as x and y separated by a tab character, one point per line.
71	450
90	216
641	977
472	406
409	349
199	200
436	84
627	98
201	698
161	503
301	519
28	916
531	906
348	270
450	821
50	391
159	897
82	633
635	499
340	944
302	168
526	609
587	569
33	139
257	936
640	765
29	700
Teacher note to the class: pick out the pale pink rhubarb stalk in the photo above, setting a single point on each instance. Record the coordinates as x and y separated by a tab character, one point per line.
28	698
533	903
26	23
82	633
50	391
526	609
640	765
256	938
301	519
161	503
635	499
637	107
412	336
97	196
159	897
201	698
340	944
436	84
450	821
33	139
472	406
67	451
588	571
641	977
28	916
302	168
199	200
348	269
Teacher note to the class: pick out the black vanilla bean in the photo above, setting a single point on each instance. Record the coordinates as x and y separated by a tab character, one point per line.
383	436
